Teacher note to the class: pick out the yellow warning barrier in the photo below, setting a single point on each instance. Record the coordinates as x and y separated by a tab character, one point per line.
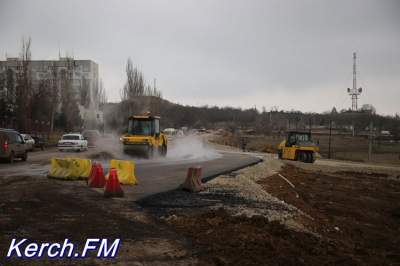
125	170
82	167
70	168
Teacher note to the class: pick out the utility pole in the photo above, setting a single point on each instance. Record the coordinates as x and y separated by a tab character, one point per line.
370	141
330	136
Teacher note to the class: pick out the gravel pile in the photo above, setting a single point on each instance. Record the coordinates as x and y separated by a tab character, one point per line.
251	199
237	193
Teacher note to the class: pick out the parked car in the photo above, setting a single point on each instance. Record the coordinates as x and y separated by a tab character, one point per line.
72	142
12	145
29	141
39	142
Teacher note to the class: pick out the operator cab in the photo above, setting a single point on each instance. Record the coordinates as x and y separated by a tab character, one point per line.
144	126
298	138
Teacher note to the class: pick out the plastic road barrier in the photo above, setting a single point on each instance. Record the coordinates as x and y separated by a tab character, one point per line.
70	168
125	170
193	180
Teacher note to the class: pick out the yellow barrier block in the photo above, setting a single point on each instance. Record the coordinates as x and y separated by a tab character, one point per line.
81	167
70	168
125	170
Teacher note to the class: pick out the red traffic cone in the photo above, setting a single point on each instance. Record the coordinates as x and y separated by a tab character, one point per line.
113	188
97	178
92	172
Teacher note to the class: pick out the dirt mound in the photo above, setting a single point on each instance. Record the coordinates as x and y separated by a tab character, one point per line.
237	240
361	174
356	211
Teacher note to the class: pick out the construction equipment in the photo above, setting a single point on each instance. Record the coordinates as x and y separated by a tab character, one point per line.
144	136
298	146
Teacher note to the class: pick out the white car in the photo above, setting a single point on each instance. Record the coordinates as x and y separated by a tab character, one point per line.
72	142
29	142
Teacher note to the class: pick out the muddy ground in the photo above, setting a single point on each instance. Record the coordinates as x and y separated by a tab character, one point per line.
251	217
47	210
359	213
349	218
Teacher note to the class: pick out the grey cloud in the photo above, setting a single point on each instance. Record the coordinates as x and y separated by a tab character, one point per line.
242	53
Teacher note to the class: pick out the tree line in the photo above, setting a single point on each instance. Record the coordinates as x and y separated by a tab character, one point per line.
233	119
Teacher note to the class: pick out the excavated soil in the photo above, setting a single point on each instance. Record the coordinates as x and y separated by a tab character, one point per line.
350	218
223	239
359	212
45	210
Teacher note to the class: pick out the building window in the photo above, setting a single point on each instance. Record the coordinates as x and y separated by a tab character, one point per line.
86	68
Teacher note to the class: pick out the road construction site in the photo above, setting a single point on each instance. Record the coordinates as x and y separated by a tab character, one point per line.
253	209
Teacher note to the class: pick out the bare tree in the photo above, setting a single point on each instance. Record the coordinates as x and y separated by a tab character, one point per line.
134	85
136	96
84	92
41	102
102	98
69	104
54	93
24	87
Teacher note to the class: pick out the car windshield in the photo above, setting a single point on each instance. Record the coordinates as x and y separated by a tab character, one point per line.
140	127
70	137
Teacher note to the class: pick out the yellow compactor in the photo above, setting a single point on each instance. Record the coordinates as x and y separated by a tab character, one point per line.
144	136
298	146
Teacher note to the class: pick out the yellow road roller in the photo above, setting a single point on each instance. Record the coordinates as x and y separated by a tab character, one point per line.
144	137
298	146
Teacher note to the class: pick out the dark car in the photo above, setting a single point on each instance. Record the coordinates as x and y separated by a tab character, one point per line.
12	145
39	142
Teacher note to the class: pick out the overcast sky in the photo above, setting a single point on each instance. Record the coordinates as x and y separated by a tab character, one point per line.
289	54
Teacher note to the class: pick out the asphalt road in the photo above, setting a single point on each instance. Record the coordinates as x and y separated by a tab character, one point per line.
153	176
158	177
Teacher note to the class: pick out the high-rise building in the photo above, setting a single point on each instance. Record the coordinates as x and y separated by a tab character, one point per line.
85	73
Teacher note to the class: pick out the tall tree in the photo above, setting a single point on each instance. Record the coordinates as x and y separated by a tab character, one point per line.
84	92
41	102
54	93
24	87
69	104
102	98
